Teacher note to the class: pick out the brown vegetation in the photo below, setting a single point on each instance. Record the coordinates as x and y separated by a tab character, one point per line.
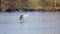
37	5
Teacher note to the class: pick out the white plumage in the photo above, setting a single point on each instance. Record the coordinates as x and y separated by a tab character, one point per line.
25	15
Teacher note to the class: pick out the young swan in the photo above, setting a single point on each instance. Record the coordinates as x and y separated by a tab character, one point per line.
23	17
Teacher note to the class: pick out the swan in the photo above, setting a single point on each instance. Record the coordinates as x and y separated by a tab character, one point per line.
23	17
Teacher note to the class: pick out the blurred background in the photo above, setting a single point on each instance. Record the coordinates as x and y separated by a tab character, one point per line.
29	5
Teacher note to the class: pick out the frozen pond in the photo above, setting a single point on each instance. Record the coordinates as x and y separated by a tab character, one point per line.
35	23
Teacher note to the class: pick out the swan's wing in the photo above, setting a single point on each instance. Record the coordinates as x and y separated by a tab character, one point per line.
26	14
